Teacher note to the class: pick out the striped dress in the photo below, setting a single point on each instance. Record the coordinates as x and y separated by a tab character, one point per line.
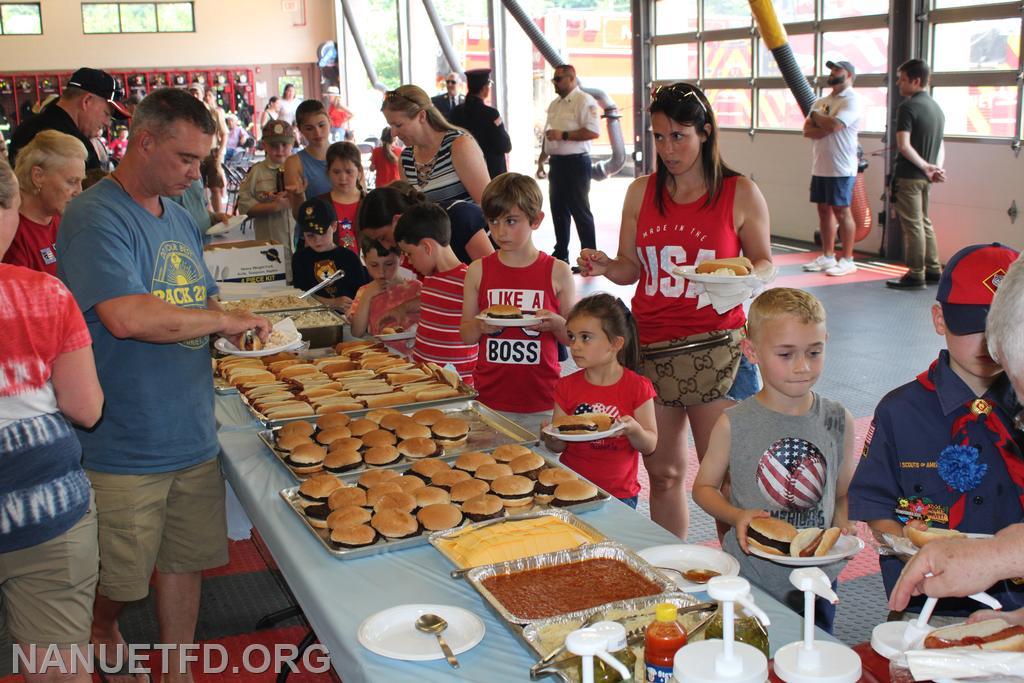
442	184
437	336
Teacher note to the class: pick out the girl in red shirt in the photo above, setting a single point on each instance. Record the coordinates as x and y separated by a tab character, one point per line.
384	160
348	187
603	342
693	208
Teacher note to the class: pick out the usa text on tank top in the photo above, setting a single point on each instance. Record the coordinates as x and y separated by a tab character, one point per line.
517	369
665	305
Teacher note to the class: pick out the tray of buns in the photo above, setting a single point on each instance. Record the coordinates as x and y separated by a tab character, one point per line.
454	495
385	437
567	583
359	377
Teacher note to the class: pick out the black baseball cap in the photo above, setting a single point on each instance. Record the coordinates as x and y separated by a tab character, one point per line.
842	64
316	216
101	84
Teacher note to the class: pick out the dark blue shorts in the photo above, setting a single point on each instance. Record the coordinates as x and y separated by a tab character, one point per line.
631	502
832	191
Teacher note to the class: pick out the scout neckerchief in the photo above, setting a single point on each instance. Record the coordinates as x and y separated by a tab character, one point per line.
978	410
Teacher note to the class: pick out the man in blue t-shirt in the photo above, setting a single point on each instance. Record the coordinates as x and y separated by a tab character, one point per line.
135	265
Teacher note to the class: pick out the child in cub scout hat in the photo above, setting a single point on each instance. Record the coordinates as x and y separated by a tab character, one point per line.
320	258
941	450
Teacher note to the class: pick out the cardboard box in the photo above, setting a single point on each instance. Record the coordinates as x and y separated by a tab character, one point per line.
254	262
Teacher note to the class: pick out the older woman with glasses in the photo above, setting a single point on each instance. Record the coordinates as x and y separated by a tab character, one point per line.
693	208
440	160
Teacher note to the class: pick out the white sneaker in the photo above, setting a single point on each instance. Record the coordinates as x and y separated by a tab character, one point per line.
845	266
819	264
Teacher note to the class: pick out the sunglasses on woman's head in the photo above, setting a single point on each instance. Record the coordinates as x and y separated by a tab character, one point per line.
678	92
450	82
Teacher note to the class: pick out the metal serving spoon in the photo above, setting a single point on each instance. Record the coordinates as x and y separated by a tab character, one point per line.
432	623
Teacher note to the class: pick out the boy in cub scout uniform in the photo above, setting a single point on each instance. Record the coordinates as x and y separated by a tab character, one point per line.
942	448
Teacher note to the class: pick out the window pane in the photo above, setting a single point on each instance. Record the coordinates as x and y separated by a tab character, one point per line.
21	19
731	107
803	49
875	112
868	50
174	16
794	10
777	108
138	18
977	45
727	59
101	18
726	14
676	62
675	16
940	4
835	9
979	110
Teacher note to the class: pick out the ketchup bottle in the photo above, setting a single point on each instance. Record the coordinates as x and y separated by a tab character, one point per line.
661	641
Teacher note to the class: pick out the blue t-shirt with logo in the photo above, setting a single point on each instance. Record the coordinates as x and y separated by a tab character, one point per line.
158	414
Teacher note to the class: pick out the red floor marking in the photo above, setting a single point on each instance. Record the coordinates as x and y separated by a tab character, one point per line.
242	559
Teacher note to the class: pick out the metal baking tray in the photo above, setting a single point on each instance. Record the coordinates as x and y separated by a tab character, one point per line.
293	303
438	538
320	336
487	430
291	497
607	550
546	635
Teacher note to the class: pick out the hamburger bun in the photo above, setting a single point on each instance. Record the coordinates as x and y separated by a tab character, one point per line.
549	479
813	542
395	399
394	524
409	483
430	495
528	465
398	500
349	537
378	491
420	448
492	471
346	444
501	312
574	424
306	459
470	461
289	442
378	414
378	437
317	514
318	488
739	265
348	515
362	426
771	535
439	517
509	452
922	537
446	478
425	469
574	492
514	490
329	436
412	430
428	416
332	420
393	421
338	461
470	488
347	496
481	508
372	478
378	456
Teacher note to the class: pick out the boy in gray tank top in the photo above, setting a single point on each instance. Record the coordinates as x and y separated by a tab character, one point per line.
787	452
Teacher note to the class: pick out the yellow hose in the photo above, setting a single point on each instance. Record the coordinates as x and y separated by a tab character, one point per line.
772	32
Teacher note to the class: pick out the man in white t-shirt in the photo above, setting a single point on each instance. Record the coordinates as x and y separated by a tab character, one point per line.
571	124
832	125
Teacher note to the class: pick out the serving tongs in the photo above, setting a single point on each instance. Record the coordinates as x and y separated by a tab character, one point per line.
316	288
546	663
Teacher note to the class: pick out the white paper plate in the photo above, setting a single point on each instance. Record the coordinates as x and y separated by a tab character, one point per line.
392	632
904	546
689	272
846	546
226	226
408	333
526	321
286	326
589	436
683	557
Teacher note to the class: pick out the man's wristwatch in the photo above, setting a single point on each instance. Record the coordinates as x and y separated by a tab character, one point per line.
565	135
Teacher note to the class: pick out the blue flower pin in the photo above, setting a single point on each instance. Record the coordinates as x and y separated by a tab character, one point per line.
960	469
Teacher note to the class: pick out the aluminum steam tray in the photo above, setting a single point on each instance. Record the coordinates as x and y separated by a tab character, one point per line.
607	550
439	539
487	430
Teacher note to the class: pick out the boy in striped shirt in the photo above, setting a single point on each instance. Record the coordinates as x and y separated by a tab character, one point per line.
423	233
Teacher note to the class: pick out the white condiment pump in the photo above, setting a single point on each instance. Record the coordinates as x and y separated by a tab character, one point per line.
718	661
593	642
809	660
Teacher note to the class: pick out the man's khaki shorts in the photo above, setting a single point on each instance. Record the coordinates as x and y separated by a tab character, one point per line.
47	591
173	520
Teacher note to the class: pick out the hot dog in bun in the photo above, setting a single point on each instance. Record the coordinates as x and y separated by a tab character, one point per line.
921	535
813	542
739	265
991	634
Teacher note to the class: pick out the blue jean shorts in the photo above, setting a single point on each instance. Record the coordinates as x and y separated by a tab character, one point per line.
747	382
832	191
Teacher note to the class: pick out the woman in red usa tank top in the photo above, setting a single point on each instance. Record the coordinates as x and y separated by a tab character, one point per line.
692	209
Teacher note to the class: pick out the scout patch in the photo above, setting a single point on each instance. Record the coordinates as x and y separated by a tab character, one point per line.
920	508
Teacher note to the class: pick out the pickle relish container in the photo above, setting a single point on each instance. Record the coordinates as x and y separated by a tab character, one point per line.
615	633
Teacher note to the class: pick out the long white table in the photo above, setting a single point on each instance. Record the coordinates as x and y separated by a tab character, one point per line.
337	595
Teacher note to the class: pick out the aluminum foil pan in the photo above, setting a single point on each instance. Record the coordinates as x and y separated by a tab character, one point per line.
438	538
607	550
